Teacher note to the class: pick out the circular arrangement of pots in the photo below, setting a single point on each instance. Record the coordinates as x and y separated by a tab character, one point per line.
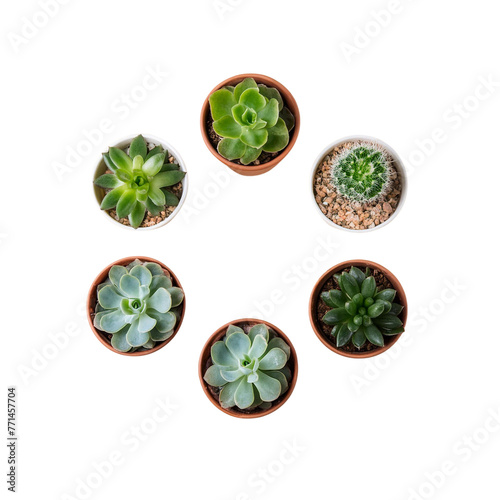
248	368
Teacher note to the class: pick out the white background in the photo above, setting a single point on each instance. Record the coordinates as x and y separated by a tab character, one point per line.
363	429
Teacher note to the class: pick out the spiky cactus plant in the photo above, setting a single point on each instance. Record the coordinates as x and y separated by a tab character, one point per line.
250	369
362	173
138	305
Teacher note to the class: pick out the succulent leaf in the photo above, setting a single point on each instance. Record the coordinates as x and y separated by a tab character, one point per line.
374	336
253	137
369	287
221	103
238	344
269	388
112	198
278	137
108	181
231	149
109	163
138	147
357	274
120	159
247	83
388	321
271	93
359	339
387	294
213	377
136	337
119	341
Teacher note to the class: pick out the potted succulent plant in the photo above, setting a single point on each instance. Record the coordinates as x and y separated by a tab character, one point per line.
358	184
248	368
250	123
135	306
140	183
358	309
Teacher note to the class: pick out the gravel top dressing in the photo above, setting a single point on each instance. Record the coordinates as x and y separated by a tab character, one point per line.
353	214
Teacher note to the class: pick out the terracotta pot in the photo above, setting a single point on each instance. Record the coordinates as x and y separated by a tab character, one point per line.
398	165
289	101
205	356
315	297
92	300
101	168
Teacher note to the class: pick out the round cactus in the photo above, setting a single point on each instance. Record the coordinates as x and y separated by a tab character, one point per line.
362	172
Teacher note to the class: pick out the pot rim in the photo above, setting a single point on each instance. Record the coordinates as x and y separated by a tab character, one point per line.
101	277
315	297
125	142
205	354
290	102
398	164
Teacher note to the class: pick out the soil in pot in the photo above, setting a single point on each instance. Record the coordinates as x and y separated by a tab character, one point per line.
267	407
321	309
353	214
150	219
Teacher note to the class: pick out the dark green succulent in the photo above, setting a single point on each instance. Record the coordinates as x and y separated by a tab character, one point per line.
139	181
360	312
251	119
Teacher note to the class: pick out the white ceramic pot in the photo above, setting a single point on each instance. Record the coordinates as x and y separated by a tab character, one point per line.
123	144
398	164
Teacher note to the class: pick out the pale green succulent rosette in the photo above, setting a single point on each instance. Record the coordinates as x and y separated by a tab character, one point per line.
138	305
139	181
360	313
362	173
251	119
250	369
